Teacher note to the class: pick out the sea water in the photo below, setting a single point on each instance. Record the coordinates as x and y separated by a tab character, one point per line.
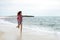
49	22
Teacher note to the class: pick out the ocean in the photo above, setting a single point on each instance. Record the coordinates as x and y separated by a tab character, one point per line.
49	22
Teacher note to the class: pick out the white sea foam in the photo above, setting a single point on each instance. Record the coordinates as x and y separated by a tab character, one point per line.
7	26
4	22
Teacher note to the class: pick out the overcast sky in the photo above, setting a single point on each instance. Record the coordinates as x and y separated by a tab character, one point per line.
30	7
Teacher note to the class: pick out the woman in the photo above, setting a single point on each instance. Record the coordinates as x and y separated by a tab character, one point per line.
19	19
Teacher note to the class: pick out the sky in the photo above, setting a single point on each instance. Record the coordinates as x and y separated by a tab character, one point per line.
30	7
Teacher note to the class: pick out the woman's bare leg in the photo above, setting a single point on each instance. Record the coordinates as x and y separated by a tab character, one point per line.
21	27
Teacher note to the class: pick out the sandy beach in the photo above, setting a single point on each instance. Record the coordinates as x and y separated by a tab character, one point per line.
8	31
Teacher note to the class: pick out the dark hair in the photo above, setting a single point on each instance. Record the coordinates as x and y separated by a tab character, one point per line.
19	12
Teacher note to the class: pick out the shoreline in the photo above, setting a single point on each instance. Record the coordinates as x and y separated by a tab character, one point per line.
10	32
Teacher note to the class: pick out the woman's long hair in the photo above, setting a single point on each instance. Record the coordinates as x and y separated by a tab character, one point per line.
19	13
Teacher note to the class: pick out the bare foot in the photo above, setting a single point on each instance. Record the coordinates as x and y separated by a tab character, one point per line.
17	27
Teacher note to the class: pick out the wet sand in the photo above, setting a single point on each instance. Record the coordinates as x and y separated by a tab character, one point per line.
10	32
